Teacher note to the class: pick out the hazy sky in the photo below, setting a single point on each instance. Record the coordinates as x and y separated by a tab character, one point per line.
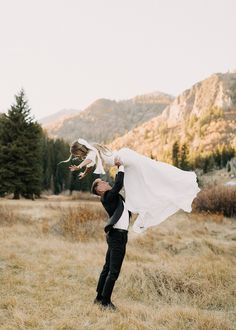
68	53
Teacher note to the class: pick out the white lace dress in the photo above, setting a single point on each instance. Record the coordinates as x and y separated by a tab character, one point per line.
153	189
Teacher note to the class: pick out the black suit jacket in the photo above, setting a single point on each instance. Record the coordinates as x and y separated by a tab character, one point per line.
112	201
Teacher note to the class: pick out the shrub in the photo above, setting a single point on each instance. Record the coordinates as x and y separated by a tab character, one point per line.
82	222
217	199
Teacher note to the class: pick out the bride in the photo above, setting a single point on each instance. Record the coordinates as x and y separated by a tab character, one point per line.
153	189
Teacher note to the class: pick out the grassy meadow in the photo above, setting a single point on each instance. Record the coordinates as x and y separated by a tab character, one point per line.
179	275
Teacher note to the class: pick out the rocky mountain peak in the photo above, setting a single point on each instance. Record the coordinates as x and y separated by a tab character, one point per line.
217	91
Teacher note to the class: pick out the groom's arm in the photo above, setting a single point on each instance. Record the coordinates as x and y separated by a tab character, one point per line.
119	181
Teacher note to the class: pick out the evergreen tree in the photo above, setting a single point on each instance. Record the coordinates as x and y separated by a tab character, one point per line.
20	151
47	145
217	156
183	162
73	183
227	153
175	154
55	151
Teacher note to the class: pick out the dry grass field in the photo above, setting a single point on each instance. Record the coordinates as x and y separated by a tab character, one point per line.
179	275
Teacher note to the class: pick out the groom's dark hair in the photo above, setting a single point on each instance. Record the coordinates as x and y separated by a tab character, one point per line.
94	186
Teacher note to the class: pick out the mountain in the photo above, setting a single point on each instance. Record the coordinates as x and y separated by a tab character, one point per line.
203	116
107	119
55	120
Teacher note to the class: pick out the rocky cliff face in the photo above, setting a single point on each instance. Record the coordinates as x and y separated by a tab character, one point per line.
217	91
203	116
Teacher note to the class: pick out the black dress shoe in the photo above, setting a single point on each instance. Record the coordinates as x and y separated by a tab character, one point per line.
108	305
97	301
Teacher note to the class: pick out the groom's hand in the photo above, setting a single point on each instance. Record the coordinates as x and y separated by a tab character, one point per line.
118	161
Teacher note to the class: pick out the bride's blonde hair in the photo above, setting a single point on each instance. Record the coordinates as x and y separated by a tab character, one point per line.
102	149
78	149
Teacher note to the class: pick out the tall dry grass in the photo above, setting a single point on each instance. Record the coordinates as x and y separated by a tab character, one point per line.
8	217
177	276
83	195
75	195
81	223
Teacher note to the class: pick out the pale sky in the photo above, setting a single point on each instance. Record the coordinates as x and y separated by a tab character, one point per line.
68	53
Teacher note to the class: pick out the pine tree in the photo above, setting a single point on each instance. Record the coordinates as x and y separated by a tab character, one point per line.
70	180
175	154
217	156
20	151
55	151
226	154
183	163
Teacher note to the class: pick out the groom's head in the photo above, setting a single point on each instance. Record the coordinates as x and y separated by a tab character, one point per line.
99	187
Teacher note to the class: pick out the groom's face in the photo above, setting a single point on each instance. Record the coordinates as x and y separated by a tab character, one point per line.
102	187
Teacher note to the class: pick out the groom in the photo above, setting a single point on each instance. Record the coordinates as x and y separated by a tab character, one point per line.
116	234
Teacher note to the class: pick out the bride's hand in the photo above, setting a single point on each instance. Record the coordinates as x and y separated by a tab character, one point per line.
81	175
73	168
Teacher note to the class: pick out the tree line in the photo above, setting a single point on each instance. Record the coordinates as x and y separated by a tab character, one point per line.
215	159
29	158
30	161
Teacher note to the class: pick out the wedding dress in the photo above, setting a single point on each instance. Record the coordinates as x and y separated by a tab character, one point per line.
153	189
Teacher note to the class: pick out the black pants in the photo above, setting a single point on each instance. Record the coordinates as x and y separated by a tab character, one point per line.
116	241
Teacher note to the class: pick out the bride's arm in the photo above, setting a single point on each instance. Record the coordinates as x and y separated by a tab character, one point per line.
89	161
88	170
78	167
85	163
